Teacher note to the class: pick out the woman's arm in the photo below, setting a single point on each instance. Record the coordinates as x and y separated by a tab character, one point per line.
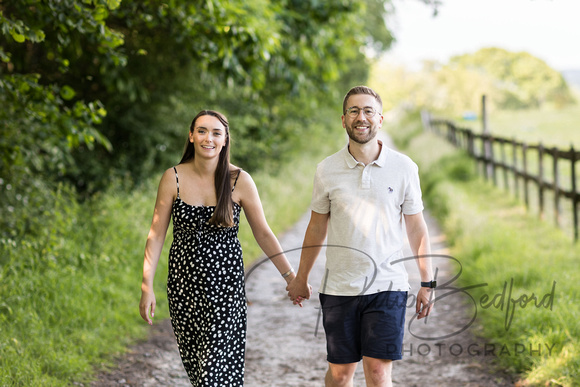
247	194
166	194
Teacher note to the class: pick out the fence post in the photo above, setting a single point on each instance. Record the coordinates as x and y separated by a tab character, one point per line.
470	146
450	128
484	115
487	146
541	179
574	193
526	176
515	166
505	166
492	160
484	157
465	138
556	188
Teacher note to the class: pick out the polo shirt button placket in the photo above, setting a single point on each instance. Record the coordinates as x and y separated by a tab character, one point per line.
366	177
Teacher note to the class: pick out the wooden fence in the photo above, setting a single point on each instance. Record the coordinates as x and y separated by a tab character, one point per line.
517	165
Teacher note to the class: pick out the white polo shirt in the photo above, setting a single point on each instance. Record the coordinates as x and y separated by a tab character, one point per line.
366	229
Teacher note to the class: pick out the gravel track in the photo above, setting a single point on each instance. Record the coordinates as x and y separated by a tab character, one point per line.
286	344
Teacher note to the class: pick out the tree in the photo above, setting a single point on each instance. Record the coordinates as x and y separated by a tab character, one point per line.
80	73
66	63
42	118
523	80
510	81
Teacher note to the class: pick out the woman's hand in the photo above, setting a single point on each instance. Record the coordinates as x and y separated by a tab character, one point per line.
299	291
146	305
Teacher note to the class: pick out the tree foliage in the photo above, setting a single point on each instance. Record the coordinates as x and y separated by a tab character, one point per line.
523	81
96	90
510	81
80	73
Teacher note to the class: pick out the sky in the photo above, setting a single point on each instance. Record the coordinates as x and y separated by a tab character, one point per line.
547	29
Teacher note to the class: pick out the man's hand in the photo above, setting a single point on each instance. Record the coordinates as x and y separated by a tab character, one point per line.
425	302
299	290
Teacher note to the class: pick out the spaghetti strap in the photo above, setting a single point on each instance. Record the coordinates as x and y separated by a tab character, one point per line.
236	181
177	181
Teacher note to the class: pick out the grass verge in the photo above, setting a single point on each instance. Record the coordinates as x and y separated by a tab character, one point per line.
527	307
69	294
70	288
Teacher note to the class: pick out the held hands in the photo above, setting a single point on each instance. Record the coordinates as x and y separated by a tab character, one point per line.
425	302
298	291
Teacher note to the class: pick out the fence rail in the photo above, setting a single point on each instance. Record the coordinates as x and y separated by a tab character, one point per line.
521	164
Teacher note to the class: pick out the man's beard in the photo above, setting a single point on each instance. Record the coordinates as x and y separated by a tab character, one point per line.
372	133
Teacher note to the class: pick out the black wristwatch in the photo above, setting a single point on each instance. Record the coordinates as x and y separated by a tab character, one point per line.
430	284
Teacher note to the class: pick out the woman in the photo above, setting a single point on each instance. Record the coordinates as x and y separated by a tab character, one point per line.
205	285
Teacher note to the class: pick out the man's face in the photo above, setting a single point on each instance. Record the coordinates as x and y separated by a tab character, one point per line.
361	128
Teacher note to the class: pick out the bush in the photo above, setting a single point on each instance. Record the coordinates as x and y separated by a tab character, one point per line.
500	244
69	284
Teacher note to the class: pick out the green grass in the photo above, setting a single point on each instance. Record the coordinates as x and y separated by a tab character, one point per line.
70	277
553	128
70	294
550	126
497	242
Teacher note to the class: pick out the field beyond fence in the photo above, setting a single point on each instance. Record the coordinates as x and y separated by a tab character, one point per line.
516	165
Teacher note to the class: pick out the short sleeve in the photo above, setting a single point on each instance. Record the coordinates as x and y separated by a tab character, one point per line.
320	199
413	202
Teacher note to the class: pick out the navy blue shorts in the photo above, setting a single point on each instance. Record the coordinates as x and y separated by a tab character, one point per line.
370	325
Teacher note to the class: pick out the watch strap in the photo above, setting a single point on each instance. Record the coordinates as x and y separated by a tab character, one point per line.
430	284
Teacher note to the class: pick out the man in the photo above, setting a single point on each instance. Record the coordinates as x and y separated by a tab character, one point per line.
360	198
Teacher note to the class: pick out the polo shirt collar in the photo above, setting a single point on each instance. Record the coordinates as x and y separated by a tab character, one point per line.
381	161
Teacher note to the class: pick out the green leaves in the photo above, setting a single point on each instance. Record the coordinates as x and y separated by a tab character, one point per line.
41	82
90	74
67	93
95	91
19	31
16	36
510	80
522	80
113	4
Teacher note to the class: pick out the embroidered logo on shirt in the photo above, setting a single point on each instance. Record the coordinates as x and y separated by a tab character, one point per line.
391	190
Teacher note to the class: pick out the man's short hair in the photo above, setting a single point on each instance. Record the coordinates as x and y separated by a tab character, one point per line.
361	90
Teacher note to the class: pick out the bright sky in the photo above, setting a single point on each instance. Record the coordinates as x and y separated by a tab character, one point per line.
547	29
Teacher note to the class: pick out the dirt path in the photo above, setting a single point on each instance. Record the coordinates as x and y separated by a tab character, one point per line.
286	345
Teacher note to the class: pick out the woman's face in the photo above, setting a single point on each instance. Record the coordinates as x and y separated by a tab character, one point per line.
208	136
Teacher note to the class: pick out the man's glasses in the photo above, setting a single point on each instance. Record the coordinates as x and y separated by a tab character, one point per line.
354	111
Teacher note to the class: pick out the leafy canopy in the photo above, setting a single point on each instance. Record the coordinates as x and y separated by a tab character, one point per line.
510	80
80	73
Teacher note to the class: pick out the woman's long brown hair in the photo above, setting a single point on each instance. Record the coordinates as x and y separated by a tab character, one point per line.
224	212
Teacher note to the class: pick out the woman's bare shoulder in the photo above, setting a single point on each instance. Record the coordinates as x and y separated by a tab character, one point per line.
169	173
168	180
240	176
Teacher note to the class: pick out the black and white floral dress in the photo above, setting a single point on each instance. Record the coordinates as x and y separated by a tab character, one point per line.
207	301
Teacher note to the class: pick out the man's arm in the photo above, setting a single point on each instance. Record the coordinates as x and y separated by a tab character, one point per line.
313	240
421	247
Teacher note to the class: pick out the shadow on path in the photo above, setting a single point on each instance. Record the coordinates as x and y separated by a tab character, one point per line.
286	344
